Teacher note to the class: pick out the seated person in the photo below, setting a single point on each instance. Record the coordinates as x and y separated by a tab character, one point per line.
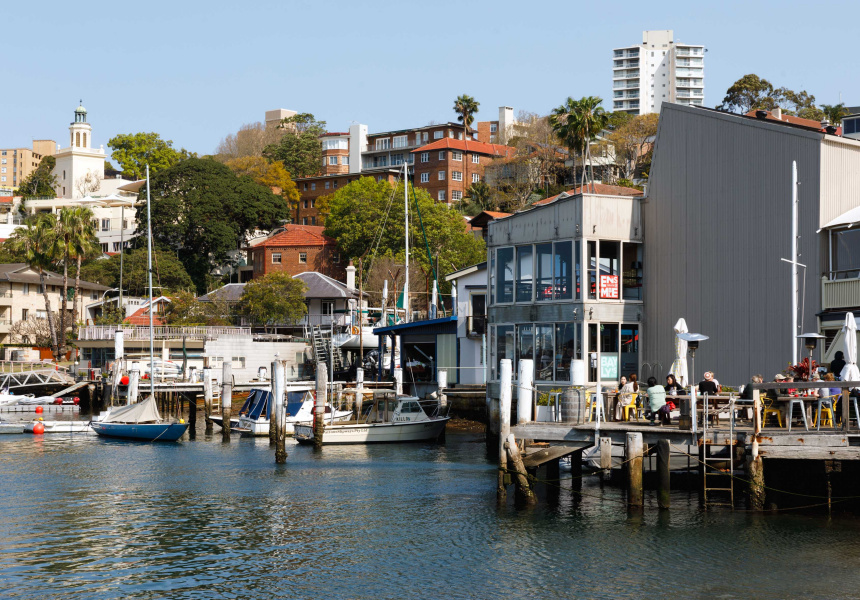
673	387
708	386
657	402
625	395
747	394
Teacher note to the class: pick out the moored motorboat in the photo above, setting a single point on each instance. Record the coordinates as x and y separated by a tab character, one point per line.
58	427
404	419
255	413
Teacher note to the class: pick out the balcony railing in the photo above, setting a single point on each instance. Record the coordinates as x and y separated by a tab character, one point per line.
108	332
842	291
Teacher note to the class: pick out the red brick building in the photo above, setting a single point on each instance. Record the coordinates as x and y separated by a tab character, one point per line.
447	167
295	249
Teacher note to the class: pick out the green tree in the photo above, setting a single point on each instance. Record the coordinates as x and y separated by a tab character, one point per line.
479	196
835	112
368	215
750	92
133	151
465	106
9	254
577	123
632	140
201	212
271	174
168	273
300	149
37	241
42	182
274	299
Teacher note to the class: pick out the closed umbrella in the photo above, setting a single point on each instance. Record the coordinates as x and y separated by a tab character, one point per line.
849	331
679	367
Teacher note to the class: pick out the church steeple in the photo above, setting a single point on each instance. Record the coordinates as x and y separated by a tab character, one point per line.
81	113
80	132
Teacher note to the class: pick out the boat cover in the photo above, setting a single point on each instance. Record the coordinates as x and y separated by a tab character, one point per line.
142	412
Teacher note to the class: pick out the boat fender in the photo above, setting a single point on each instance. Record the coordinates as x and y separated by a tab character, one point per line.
354	330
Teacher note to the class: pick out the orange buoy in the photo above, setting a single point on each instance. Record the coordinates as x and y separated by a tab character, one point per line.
39	410
38	428
123	380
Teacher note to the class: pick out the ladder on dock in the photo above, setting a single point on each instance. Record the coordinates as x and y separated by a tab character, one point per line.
714	477
323	350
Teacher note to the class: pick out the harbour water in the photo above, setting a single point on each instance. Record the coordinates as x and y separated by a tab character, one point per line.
83	517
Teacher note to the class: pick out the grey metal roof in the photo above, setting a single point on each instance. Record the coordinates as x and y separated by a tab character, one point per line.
322	286
22	273
231	292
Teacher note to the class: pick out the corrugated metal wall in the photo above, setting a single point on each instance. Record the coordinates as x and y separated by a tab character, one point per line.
840	177
717	221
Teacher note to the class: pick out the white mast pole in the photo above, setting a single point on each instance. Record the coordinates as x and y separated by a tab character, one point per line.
149	271
406	283
794	262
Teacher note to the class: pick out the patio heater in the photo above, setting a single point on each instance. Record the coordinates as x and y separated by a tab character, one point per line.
692	340
810	340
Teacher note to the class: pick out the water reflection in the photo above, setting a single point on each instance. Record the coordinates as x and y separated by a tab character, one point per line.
93	518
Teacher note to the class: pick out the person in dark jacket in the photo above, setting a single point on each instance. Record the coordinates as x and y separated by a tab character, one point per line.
708	386
837	364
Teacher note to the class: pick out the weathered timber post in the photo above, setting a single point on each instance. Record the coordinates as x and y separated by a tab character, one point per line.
605	457
207	398
191	397
226	400
524	491
633	453
273	428
133	380
576	472
278	420
359	392
505	376
525	383
663	474
441	385
755	466
319	405
846	410
398	381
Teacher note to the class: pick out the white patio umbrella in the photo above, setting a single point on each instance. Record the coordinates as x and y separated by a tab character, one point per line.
849	331
679	367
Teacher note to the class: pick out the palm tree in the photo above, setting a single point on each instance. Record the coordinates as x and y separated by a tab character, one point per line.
465	106
37	242
75	227
565	125
592	119
835	112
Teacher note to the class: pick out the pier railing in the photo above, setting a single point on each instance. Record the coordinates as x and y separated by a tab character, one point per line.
108	332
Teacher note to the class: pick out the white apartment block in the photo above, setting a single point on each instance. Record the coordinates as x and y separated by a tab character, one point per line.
657	70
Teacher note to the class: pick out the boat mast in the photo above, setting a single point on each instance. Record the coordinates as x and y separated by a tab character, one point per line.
406	205
149	271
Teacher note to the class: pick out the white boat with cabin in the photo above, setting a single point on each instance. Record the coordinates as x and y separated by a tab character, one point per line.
255	413
401	419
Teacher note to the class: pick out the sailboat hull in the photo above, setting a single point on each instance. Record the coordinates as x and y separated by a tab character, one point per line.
144	432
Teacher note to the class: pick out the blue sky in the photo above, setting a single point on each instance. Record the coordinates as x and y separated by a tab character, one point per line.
195	71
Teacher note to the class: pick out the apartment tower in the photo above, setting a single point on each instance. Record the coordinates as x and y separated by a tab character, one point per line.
657	70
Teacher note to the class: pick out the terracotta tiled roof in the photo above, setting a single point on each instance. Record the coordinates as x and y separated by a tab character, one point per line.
599	188
141	317
468	146
497	215
809	123
297	235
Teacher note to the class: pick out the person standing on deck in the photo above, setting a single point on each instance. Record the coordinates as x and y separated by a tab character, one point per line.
837	364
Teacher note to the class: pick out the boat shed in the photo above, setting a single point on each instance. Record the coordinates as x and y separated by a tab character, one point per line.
425	347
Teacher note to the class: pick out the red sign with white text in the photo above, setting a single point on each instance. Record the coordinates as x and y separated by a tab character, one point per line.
609	287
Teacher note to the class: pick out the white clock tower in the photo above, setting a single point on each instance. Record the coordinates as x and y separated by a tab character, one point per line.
79	166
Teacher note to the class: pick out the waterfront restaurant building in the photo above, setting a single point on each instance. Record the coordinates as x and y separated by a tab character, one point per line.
565	281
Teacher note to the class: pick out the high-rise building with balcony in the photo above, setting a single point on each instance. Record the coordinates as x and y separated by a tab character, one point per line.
657	70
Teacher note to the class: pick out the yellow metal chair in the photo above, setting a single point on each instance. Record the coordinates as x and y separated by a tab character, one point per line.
633	406
769	409
824	412
591	406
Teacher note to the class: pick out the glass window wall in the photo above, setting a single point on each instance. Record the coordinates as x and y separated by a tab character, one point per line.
504	347
632	269
505	275
525	344
543	260
525	273
544	348
563	267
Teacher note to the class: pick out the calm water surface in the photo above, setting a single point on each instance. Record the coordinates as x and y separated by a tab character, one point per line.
91	518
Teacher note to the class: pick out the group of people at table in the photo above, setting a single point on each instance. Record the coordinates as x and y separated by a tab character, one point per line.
656	399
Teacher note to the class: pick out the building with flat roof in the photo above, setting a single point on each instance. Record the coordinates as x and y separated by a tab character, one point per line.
658	70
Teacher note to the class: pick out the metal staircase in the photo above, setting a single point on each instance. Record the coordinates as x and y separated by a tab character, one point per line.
321	339
718	481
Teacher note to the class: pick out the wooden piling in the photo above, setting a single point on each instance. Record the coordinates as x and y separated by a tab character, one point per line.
273	430
605	457
319	405
207	398
359	392
755	475
278	420
191	397
663	474
226	400
633	454
524	493
505	392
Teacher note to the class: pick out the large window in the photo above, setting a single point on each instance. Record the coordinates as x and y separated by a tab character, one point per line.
544	347
564	349
504	347
505	275
524	273
563	271
632	270
609	367
525	344
610	255
629	349
846	254
592	269
543	262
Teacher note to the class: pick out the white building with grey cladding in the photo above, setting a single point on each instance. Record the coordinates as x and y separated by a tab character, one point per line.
717	221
